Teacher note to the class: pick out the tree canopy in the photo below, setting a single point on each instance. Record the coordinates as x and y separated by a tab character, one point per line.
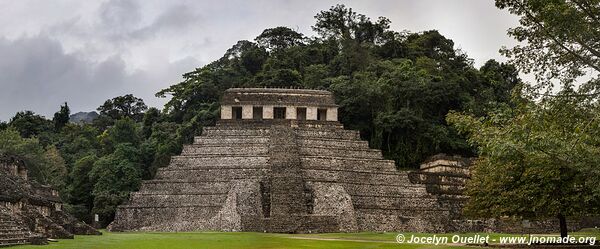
539	158
561	41
123	106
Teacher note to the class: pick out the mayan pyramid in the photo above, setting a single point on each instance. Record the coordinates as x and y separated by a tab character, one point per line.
278	160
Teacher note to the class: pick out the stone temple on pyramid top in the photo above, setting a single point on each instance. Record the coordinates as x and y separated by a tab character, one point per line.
278	160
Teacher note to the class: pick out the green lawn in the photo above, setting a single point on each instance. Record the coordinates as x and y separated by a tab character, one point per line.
227	240
150	240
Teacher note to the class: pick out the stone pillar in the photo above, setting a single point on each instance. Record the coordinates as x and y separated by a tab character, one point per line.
311	113
290	112
332	114
246	112
226	112
268	112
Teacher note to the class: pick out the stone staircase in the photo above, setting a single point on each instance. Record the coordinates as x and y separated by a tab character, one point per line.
191	192
383	198
11	233
286	179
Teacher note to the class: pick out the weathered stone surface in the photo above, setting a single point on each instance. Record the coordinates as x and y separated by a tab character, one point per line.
30	212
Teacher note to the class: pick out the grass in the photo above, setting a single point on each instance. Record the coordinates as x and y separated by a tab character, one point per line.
151	240
185	240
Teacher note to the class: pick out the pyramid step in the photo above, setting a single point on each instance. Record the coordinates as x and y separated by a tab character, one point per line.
19	234
215	173
179	199
440	179
144	216
399	189
352	164
348	152
224	161
197	207
397	202
240	149
8	226
17	243
222	131
227	140
17	240
351	177
158	186
328	133
335	143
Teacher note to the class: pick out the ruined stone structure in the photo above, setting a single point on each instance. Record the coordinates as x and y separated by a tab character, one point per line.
278	160
446	176
31	212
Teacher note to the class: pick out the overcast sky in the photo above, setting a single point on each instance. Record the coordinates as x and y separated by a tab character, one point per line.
84	52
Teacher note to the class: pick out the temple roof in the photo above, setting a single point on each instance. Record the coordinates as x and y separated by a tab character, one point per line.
278	96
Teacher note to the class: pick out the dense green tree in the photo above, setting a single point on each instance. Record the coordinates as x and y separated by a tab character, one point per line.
245	56
401	108
102	122
343	23
279	38
56	171
159	147
500	79
114	177
27	149
30	124
538	160
61	118
77	141
280	78
560	41
151	117
125	130
81	187
124	106
315	76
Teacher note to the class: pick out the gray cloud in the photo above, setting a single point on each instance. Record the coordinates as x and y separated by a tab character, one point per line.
123	20
36	74
120	14
173	20
85	52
